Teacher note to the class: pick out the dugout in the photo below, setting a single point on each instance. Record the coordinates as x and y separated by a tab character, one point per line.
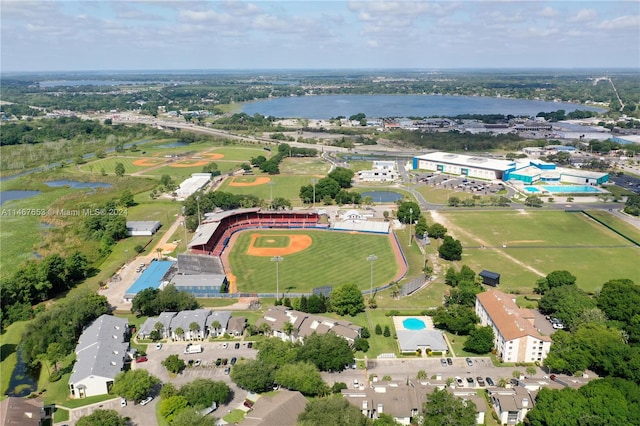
490	278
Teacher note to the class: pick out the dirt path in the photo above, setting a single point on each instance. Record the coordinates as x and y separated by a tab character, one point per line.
437	217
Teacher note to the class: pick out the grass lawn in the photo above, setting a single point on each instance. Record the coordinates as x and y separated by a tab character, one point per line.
439	195
457	343
109	164
234	417
540	242
334	258
60	415
625	228
9	341
304	166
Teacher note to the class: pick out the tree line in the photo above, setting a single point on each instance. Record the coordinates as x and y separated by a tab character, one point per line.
37	281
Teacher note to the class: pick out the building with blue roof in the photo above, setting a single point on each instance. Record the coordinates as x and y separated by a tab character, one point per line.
155	276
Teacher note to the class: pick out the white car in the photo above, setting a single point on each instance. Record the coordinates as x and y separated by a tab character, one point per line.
146	400
225	345
123	402
159	346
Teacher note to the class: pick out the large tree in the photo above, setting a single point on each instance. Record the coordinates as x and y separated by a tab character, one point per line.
327	351
173	364
347	300
191	417
253	375
450	249
134	385
554	279
170	407
456	319
333	410
204	392
444	409
566	303
102	418
408	211
276	352
343	176
480	340
303	377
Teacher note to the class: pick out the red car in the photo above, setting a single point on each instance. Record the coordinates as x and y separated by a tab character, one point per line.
141	359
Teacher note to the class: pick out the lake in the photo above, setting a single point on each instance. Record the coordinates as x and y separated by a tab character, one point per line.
16	195
73	184
380	106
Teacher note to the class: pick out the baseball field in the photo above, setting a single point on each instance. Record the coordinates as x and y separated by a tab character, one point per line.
310	258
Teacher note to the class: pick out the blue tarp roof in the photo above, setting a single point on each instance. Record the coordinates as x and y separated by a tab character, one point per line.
150	278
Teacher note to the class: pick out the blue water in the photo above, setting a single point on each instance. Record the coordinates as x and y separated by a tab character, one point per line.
16	195
173	145
382	196
413	324
325	107
565	189
77	185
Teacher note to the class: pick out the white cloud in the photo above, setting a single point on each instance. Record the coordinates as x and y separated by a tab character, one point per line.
549	12
584	15
622	22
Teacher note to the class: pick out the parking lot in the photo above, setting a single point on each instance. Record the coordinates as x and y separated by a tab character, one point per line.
207	368
460	183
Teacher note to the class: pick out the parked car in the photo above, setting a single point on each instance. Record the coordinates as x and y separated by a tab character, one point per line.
355	382
236	346
443	362
227	370
146	400
218	362
250	345
470	381
469	362
197	363
123	402
459	381
233	361
159	346
225	345
449	361
480	381
142	359
490	381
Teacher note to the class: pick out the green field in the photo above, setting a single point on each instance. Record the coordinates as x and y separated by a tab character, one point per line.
304	166
334	258
539	242
109	165
287	187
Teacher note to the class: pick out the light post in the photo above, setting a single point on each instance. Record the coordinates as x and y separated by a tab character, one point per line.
410	221
371	258
277	259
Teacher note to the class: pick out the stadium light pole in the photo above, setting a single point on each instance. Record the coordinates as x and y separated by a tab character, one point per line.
277	260
371	258
410	221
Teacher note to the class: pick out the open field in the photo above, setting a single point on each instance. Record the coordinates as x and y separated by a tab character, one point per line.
287	187
616	223
539	242
304	166
129	163
334	258
439	195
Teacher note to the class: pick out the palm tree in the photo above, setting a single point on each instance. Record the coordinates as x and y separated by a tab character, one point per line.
216	326
159	251
179	332
287	328
194	327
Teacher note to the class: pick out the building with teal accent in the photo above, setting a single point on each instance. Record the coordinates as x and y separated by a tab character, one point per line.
527	171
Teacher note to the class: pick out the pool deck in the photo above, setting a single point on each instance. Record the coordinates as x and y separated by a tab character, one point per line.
397	322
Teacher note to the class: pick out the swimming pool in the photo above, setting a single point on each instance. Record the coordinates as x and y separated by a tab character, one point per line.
563	189
413	324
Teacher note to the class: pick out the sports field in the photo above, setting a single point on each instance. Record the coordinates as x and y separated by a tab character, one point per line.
525	245
287	187
312	258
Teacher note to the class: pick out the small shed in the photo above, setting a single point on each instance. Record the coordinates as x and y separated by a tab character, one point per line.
490	278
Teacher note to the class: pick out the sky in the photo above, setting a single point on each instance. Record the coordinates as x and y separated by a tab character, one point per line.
257	35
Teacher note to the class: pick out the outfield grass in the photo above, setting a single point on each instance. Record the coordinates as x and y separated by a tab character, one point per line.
109	164
545	241
334	258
